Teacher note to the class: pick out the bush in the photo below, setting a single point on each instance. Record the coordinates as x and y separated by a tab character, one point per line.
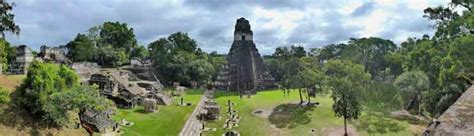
4	95
51	91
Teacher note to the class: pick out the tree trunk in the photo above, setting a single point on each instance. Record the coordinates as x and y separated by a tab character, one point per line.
309	97
419	103
345	127
345	114
301	96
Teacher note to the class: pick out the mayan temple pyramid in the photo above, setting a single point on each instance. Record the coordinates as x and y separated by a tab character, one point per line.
244	71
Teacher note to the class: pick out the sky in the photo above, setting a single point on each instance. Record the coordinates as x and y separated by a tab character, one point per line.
275	23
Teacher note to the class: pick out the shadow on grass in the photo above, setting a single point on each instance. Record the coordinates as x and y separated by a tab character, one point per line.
218	94
290	115
194	92
377	123
140	110
22	121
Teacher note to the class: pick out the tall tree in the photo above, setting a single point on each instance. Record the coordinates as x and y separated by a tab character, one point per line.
178	59
345	79
81	49
110	44
7	23
413	83
119	36
372	53
4	48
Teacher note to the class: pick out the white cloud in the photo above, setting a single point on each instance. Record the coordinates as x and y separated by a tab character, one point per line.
211	23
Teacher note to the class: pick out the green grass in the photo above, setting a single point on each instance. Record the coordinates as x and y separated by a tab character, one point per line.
321	118
167	121
9	82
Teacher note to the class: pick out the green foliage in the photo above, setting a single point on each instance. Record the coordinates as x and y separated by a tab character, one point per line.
179	59
372	53
81	49
119	36
140	52
381	97
289	52
438	101
331	51
50	91
4	45
412	81
7	54
345	78
78	97
111	44
4	95
7	19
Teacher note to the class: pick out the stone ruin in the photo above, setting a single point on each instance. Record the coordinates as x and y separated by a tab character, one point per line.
53	54
85	70
244	70
126	93
127	86
24	57
97	121
210	108
149	105
457	120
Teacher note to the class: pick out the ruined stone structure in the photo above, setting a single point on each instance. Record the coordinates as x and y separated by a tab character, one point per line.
54	54
118	86
98	121
85	70
245	70
457	120
149	105
24	57
210	110
222	82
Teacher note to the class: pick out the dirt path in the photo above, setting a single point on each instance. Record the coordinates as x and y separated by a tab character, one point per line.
193	125
339	131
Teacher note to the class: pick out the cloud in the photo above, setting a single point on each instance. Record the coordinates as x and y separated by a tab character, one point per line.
363	10
211	23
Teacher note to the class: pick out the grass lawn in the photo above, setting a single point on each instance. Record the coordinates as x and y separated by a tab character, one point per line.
167	121
9	82
320	118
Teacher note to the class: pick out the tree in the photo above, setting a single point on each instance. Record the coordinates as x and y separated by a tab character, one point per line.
140	52
345	79
4	47
290	80
110	44
4	95
81	49
298	51
50	91
178	59
7	23
372	53
311	77
413	83
119	36
285	53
